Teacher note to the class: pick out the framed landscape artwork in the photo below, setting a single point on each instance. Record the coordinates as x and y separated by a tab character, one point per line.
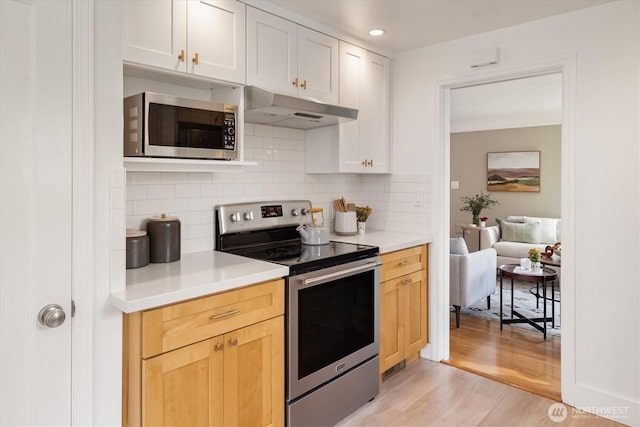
513	171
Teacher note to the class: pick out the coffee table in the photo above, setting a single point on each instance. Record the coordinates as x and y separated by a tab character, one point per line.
554	260
546	275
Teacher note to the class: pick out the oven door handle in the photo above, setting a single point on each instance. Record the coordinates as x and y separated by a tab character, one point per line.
340	274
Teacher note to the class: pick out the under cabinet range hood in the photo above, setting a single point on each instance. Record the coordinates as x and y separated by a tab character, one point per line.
269	108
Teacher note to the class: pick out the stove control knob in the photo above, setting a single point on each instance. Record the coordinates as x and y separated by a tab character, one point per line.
248	215
235	217
305	211
295	212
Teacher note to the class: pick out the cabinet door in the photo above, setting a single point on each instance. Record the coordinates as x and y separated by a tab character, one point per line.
184	386
415	322
374	129
352	71
154	33
272	52
317	65
254	375
391	322
216	32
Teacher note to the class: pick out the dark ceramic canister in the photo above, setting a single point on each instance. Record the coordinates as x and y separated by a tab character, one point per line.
164	238
137	248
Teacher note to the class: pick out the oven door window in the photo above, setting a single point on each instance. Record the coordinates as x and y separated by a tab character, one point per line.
335	320
173	126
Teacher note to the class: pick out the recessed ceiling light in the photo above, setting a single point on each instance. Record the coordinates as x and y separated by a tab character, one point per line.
376	32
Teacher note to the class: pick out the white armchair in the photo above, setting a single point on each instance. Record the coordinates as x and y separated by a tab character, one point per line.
472	276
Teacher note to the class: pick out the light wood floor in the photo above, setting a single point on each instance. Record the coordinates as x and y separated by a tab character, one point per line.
434	394
515	356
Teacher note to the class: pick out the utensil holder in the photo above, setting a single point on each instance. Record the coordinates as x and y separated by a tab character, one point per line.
346	223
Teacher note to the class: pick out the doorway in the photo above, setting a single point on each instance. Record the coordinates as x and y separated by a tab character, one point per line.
447	105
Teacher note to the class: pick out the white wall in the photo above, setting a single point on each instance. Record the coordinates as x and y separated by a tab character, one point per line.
518	103
603	41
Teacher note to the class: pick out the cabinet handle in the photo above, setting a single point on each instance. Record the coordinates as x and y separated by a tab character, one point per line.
233	342
196	59
364	163
304	85
405	262
219	346
371	163
225	314
181	56
406	281
295	82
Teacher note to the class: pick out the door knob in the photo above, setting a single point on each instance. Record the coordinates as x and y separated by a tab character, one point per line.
51	316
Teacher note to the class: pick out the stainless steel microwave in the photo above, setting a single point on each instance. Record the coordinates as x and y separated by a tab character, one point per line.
157	125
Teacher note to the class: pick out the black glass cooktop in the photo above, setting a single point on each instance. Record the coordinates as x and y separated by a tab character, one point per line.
300	258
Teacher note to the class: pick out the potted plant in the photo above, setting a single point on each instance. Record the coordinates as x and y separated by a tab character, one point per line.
362	214
476	204
534	256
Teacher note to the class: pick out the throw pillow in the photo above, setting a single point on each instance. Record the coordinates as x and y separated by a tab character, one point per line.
499	221
457	246
527	232
548	229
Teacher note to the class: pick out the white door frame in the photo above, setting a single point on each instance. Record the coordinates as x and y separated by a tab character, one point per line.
82	287
439	294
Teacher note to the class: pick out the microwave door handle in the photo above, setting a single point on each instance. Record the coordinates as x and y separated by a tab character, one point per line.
340	274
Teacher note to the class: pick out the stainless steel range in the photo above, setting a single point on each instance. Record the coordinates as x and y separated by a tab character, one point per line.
332	308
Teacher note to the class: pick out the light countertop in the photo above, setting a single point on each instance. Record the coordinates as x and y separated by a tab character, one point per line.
209	272
194	275
387	241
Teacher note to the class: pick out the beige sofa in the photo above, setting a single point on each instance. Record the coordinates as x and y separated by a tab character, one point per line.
515	235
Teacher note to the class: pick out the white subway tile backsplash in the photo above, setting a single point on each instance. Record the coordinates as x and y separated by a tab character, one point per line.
188	190
279	174
200	177
279	132
117	225
262	130
175	177
146	207
200	203
144	178
173	205
137	192
118	177
117	198
211	190
117	269
161	192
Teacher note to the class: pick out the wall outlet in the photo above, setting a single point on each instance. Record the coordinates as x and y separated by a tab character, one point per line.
455	185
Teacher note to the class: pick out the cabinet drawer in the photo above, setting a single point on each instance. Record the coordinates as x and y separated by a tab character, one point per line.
399	263
177	325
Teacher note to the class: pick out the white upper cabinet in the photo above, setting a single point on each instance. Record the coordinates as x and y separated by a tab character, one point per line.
287	58
364	84
204	38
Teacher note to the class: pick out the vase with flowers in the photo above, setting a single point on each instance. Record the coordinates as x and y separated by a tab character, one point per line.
534	256
476	204
362	214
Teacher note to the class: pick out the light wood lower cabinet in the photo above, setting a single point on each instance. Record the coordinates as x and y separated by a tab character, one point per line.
403	306
235	378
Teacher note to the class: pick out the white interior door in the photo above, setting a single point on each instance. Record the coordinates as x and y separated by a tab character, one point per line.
35	210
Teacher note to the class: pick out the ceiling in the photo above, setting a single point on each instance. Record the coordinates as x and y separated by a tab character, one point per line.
410	24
